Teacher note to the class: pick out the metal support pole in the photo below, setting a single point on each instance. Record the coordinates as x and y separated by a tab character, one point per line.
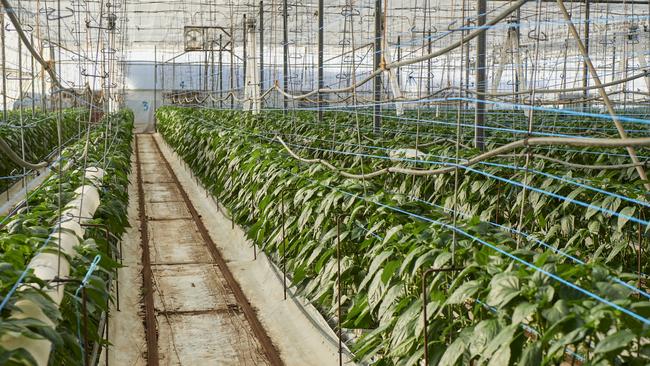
261	63
285	54
33	79
53	63
220	71
479	121
212	86
155	85
520	78
377	64
4	72
399	58
585	68
321	17
284	248
338	287
42	76
20	81
162	82
245	49
232	68
251	84
467	63
205	71
424	305
429	48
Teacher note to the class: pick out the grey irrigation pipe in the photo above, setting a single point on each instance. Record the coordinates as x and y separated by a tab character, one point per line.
6	149
601	90
385	67
534	141
578	166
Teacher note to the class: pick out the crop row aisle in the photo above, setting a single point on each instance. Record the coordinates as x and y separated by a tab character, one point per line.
315	183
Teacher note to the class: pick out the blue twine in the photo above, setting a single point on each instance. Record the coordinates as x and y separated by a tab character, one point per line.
84	283
530	237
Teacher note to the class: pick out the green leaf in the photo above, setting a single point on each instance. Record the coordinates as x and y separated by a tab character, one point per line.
391	232
374	266
501	356
571	196
484	332
557	312
503	339
615	341
503	288
523	311
457	348
389	269
532	355
627	211
575	335
464	292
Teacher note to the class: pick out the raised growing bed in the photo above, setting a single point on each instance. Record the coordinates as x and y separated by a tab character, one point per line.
32	231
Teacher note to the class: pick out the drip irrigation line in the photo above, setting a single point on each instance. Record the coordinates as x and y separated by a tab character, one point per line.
10	177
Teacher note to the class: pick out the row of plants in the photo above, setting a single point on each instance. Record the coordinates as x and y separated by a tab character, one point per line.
26	232
490	192
504	304
591	122
39	133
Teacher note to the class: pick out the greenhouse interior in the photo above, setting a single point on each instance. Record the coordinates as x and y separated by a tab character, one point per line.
310	182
